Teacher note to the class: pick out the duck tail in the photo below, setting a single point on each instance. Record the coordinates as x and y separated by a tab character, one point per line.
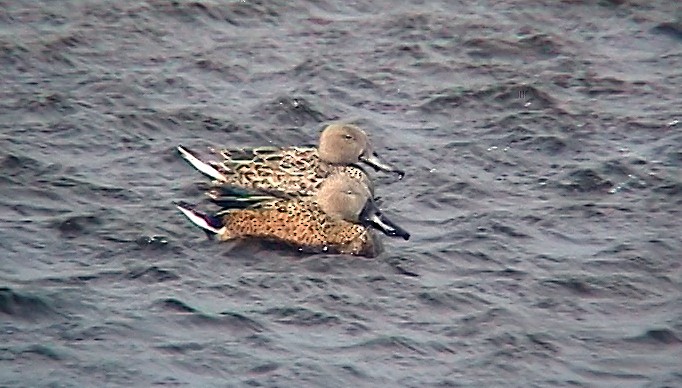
202	167
209	224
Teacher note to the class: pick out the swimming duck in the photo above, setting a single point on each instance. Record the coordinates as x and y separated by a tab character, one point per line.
295	170
337	219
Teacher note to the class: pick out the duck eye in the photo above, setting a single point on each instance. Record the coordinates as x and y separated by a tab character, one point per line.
349	192
347	136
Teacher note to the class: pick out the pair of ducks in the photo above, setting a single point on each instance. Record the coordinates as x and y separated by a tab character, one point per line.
315	199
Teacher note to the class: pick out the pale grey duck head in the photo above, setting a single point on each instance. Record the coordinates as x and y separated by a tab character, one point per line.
348	199
347	144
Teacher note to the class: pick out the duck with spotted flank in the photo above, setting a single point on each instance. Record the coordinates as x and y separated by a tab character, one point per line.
339	218
297	171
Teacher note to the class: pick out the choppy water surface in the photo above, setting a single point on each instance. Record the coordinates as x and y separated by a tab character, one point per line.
541	141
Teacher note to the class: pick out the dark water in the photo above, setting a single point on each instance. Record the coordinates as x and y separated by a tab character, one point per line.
543	192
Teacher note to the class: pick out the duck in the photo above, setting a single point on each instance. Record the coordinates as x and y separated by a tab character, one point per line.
339	218
297	171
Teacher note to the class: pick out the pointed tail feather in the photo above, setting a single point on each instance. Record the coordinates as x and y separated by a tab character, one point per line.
210	224
204	168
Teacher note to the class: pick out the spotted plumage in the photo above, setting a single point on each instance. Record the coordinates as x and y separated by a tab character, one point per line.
301	224
297	171
292	170
336	219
